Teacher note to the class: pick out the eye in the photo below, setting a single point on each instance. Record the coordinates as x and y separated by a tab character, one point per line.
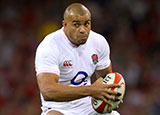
86	23
76	25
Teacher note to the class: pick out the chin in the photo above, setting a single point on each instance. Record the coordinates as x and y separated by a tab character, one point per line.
82	43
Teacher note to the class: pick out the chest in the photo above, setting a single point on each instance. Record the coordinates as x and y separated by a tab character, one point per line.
77	64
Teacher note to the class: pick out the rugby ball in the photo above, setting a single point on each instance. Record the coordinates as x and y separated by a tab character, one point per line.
112	78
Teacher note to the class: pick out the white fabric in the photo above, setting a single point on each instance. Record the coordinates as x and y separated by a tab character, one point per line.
74	65
85	109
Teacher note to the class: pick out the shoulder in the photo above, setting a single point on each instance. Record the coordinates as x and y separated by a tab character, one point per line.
97	39
95	34
53	37
49	43
50	40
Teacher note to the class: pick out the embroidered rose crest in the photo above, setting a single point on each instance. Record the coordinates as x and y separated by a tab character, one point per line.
95	58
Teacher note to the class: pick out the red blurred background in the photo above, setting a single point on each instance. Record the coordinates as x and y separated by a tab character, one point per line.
132	28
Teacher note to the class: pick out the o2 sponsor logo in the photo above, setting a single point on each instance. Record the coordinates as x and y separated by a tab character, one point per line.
82	81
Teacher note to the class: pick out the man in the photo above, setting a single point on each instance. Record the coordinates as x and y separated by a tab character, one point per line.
65	61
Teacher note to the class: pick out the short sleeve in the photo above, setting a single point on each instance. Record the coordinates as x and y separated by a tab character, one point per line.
104	54
46	59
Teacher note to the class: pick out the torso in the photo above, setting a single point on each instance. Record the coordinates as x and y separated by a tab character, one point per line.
74	65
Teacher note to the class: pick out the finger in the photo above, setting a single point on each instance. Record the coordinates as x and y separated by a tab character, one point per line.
112	92
109	96
106	101
121	101
112	97
113	85
117	99
118	94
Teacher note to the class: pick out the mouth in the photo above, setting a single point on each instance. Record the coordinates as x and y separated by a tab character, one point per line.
83	37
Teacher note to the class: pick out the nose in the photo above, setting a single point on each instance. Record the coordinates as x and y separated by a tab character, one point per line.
82	30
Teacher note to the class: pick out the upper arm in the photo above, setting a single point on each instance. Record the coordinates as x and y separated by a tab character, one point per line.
46	60
103	54
47	66
46	81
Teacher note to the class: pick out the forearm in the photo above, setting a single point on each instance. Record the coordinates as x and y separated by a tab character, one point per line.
53	91
60	92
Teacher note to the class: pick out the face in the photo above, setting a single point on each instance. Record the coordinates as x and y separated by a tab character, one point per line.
77	28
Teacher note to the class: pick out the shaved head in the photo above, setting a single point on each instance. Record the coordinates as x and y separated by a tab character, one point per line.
77	23
75	9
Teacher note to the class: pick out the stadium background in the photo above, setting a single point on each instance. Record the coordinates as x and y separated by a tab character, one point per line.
132	28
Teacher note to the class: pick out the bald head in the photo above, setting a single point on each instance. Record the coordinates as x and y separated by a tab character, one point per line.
75	9
77	23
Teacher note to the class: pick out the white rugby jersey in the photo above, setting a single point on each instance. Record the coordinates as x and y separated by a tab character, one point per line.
74	65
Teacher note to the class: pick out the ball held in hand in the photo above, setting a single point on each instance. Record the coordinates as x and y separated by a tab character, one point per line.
112	78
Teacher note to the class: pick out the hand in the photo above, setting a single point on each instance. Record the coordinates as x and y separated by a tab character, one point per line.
102	91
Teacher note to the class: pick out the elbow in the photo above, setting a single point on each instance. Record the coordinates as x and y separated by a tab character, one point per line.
48	96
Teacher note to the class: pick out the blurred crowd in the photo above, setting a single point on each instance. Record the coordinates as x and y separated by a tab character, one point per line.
132	28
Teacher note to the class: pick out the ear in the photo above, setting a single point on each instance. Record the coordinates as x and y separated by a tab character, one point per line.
64	23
